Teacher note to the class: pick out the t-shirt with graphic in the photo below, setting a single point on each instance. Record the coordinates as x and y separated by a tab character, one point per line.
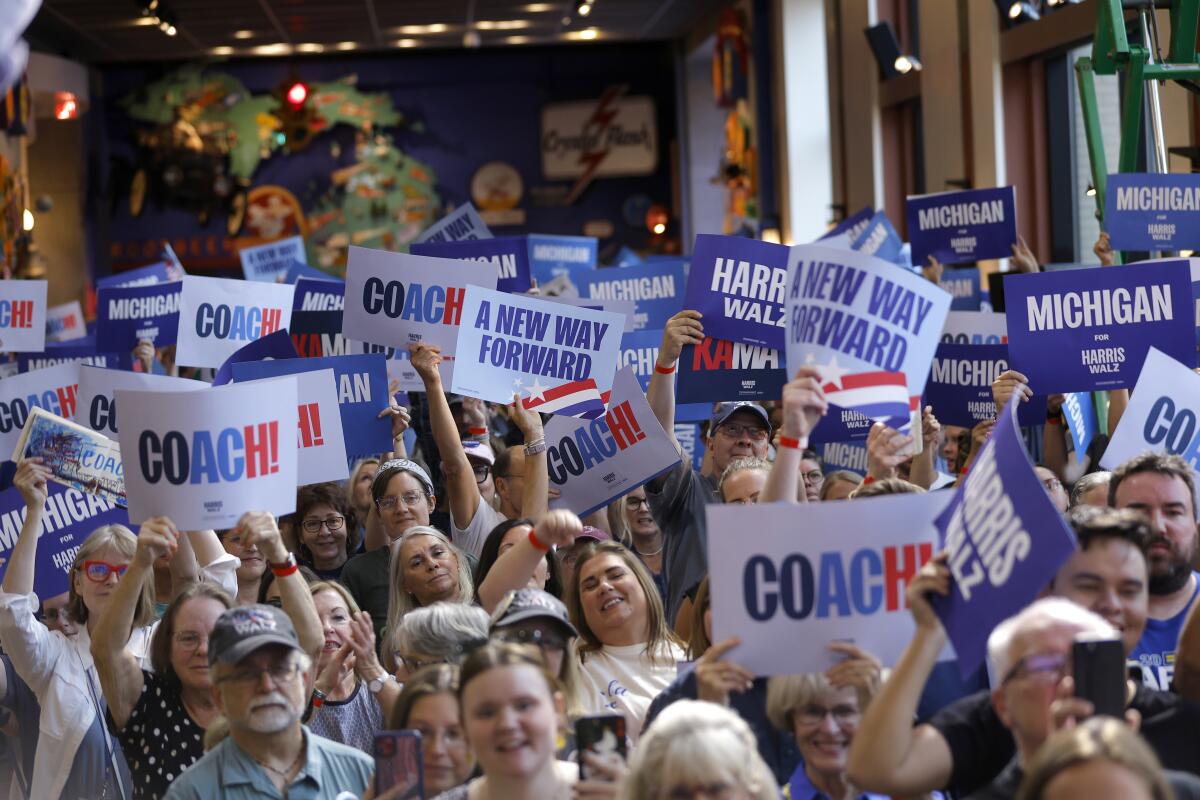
625	680
1155	651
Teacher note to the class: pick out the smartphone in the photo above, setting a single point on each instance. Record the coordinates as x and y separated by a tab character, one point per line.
599	735
1099	671
399	762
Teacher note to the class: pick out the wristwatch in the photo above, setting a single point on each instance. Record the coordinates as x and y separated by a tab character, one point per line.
376	685
536	447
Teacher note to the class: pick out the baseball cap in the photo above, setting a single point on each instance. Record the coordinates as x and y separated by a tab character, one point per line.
723	411
240	631
596	534
481	450
389	468
522	604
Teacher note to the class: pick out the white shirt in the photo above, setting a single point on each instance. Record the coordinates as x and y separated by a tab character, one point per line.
625	680
471	538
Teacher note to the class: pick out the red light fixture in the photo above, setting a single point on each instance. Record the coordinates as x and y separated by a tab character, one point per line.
297	93
65	105
657	219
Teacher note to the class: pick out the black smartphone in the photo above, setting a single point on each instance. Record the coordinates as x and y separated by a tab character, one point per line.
1099	671
399	762
599	735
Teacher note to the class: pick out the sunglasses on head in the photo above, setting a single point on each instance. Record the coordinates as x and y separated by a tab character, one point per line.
98	571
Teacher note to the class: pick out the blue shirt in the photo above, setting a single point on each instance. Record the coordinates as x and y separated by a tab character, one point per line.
1155	651
801	788
228	772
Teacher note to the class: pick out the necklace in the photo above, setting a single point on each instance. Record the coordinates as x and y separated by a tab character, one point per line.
648	555
284	774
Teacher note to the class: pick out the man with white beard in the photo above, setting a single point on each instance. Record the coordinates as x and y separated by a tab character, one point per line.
259	675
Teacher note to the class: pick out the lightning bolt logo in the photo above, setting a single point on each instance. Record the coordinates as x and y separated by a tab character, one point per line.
594	130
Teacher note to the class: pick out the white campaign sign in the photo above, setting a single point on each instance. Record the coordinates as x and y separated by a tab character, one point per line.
218	316
65	322
593	462
321	447
53	389
22	316
205	458
975	327
789	579
271	261
97	405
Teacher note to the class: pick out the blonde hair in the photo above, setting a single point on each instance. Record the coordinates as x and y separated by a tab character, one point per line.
695	741
1096	739
121	539
316	587
786	693
350	484
401	601
741	465
839	476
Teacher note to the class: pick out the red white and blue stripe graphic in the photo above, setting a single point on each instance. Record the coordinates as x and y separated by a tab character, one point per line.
574	399
882	396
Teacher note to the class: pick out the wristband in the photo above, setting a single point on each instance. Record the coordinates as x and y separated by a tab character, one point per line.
664	370
867	480
1053	419
796	444
286	567
477	431
535	447
537	543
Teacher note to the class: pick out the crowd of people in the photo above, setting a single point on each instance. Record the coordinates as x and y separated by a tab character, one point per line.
438	592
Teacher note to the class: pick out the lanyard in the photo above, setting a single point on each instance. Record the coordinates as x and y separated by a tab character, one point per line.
109	751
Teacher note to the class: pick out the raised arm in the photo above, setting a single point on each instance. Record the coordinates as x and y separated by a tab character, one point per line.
400	419
884	448
1054	437
535	497
1118	400
121	678
888	755
516	565
683	328
259	527
922	472
803	406
30	481
464	497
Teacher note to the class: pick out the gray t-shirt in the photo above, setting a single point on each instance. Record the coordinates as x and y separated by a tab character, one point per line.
678	508
471	538
353	721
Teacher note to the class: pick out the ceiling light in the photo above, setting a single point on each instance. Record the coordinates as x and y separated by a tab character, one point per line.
221	51
1091	191
659	228
170	31
65	105
517	39
277	49
502	24
27	220
471	39
347	45
310	47
584	8
153	4
409	30
145	21
406	43
540	8
586	33
243	34
907	64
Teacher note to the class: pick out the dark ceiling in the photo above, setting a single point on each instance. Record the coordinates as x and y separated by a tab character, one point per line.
117	30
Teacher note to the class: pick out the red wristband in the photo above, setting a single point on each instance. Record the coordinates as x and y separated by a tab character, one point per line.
536	542
285	568
477	431
867	480
787	441
664	370
1055	420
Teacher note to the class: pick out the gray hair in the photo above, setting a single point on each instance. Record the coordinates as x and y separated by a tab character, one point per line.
442	630
1087	483
1037	615
401	602
786	693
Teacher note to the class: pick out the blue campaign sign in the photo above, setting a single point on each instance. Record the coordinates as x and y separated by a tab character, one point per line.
319	333
508	254
852	225
849	456
717	370
142	276
362	392
565	260
299	270
692	441
1080	413
954	227
274	345
68	517
963	286
738	285
841	425
655	289
960	386
76	351
1005	539
319	294
628	258
639	350
1149	211
127	315
271	261
460	225
879	239
1090	329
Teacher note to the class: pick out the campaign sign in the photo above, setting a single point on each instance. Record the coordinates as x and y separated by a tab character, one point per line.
628	258
127	315
691	441
963	286
716	370
510	344
206	458
1005	539
272	346
1152	211
271	261
65	322
1080	413
850	313
362	392
320	447
593	462
960	386
53	388
96	406
508	254
788	597
68	517
974	327
738	285
639	352
319	294
461	224
841	425
852	225
1161	416
562	263
400	300
76	351
844	456
217	316
298	270
954	227
142	276
319	333
879	239
1090	329
623	307
22	316
655	289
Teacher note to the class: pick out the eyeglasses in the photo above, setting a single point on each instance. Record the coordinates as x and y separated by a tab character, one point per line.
1044	668
55	615
634	503
733	430
481	472
98	571
815	715
188	640
279	673
333	523
718	790
535	636
814	476
410	499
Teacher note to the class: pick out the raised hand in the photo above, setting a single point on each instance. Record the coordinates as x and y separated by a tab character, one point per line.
1023	258
885	448
933	578
715	678
860	670
1007	384
259	528
1103	250
681	329
558	527
30	481
425	359
803	403
157	538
